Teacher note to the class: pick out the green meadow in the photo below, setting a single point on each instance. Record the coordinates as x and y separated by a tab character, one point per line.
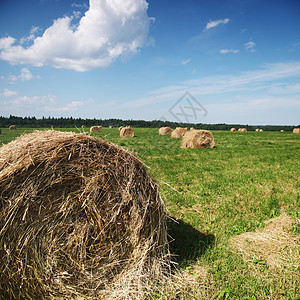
213	195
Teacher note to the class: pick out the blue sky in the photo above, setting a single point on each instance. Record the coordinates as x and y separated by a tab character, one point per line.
239	60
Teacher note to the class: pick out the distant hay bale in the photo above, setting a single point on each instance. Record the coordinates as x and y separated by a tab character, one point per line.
82	126
296	130
80	218
261	130
165	131
178	133
198	139
12	127
281	130
257	129
232	129
94	129
242	130
186	128
192	128
110	127
126	132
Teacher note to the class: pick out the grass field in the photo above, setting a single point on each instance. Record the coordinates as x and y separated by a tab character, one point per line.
215	195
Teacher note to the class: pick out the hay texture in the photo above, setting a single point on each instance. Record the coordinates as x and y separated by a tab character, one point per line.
296	130
12	127
126	132
178	133
198	139
79	218
95	128
257	129
121	127
242	130
232	129
165	131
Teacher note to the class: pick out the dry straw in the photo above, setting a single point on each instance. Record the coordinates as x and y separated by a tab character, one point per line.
80	218
296	130
178	133
232	129
126	132
12	127
165	131
242	130
198	139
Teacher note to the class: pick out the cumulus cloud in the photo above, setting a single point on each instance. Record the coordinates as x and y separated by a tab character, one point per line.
25	75
8	93
212	24
108	30
250	46
226	51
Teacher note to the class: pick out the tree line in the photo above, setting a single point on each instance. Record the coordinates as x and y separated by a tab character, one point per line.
70	122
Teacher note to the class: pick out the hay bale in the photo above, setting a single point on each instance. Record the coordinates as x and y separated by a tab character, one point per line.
281	130
232	129
192	128
110	127
178	133
261	130
296	130
257	129
165	131
12	127
242	130
94	129
198	139
100	127
79	218
121	127
82	126
126	132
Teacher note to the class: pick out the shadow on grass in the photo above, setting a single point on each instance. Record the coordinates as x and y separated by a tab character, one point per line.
187	243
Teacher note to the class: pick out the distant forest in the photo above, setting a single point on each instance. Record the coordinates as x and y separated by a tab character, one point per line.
78	122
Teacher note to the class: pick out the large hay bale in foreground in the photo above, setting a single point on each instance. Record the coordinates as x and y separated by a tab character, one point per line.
232	129
94	129
198	139
165	131
79	218
296	130
178	133
126	132
12	127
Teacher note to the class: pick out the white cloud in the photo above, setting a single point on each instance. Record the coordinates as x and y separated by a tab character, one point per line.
250	46
212	24
25	75
108	30
6	42
73	106
8	93
185	61
226	51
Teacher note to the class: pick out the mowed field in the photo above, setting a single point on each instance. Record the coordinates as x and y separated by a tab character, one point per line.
213	197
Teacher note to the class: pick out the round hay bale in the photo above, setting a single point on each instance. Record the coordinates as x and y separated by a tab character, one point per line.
94	129
198	139
256	129
296	130
110	127
79	218
165	131
178	133
100	127
126	132
232	129
82	126
12	127
242	130
261	130
121	127
192	128
281	130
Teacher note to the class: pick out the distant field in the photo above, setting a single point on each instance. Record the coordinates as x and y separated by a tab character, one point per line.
216	194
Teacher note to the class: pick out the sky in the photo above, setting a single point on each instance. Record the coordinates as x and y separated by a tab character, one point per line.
198	61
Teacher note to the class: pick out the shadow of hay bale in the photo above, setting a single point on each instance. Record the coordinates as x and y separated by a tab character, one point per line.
187	243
